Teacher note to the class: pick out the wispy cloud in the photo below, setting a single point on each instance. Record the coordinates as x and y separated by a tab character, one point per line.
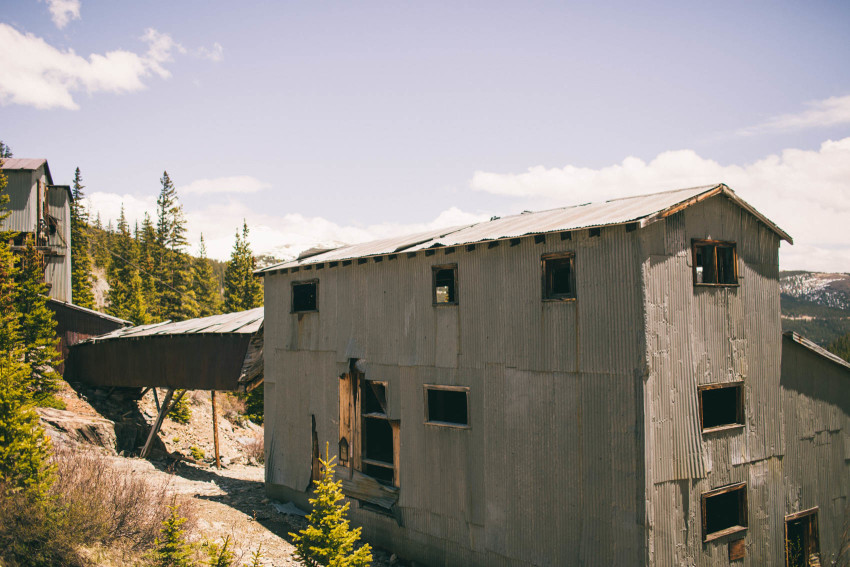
806	192
63	11
833	111
35	73
214	53
234	184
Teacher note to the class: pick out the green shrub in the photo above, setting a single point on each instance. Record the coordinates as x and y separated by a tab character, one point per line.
219	555
197	453
180	411
172	549
328	539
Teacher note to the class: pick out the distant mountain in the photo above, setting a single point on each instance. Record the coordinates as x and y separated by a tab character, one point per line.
815	304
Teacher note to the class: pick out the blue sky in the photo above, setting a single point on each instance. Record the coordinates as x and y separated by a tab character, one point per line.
323	122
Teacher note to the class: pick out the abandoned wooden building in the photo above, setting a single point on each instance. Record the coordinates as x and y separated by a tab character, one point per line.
41	209
591	385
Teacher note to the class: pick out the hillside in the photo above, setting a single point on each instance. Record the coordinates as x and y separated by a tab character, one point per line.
816	304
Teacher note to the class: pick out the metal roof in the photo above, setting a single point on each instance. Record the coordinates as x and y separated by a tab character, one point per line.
23	163
806	343
241	322
643	209
90	312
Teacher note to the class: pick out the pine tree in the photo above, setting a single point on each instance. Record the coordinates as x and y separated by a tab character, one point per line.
99	244
242	290
37	327
171	549
24	448
147	250
126	296
5	151
172	267
841	347
206	287
220	555
9	325
328	539
81	265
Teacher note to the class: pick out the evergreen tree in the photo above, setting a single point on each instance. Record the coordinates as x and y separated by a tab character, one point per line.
9	325
81	266
5	151
37	327
328	539
206	287
841	347
171	549
172	267
126	296
147	250
98	244
242	290
24	448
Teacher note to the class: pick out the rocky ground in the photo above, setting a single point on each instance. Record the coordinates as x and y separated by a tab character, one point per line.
227	502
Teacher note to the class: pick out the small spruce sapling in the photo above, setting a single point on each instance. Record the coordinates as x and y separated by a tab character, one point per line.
171	549
220	555
328	539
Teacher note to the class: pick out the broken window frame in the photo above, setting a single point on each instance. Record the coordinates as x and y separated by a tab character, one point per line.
443	388
739	406
375	416
315	284
811	538
434	271
547	276
713	245
741	526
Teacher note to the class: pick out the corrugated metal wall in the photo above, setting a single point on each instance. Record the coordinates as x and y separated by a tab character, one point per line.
58	272
550	471
702	335
22	204
816	406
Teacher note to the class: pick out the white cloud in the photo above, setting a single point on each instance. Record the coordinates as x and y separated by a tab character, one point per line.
63	11
34	73
806	192
833	111
108	205
234	184
215	54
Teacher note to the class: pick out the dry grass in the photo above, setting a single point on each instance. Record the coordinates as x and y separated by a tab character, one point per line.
231	407
256	448
109	506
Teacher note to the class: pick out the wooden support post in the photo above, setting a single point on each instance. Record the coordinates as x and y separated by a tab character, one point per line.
215	431
157	424
156	399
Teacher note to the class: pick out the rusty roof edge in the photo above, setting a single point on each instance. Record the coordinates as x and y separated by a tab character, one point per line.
718	189
815	348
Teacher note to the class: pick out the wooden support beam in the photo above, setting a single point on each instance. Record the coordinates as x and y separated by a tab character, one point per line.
157	424
156	399
215	431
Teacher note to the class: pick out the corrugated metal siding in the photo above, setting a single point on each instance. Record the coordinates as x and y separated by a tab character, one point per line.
816	404
22	204
703	335
58	273
551	465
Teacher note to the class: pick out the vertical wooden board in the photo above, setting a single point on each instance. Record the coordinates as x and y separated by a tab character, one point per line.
345	402
396	427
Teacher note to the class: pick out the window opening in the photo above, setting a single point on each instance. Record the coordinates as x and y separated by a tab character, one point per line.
715	263
559	276
721	406
305	296
802	545
378	459
724	511
446	405
445	284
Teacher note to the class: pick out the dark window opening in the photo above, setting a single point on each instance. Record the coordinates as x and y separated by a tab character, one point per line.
539	238
721	405
595	232
558	276
715	263
724	511
446	406
305	296
445	284
802	545
377	441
